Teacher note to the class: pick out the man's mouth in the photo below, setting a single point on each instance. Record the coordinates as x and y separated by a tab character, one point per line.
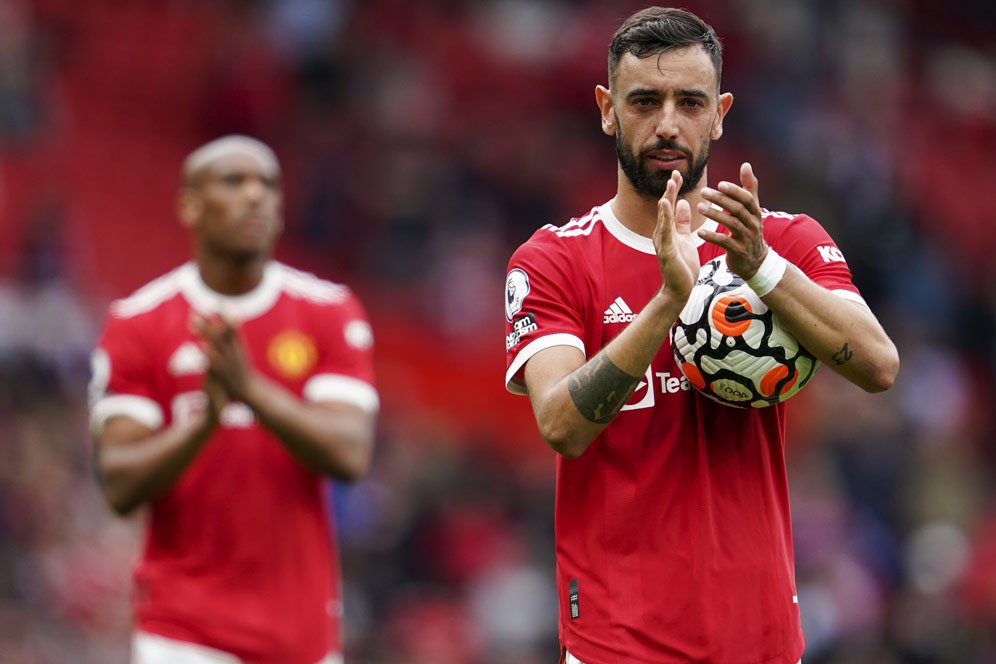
666	158
255	223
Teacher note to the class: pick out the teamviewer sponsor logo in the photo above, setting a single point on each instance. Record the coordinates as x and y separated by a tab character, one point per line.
619	312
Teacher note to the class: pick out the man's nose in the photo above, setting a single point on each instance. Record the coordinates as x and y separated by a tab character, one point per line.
254	189
667	122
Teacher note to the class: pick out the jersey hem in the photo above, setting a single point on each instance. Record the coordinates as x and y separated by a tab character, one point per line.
158	647
228	639
572	658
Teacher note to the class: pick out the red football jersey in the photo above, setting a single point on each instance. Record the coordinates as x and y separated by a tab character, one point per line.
672	529
239	553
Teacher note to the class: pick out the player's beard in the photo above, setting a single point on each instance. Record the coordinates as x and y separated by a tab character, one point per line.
652	183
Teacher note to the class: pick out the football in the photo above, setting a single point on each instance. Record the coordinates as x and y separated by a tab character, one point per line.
732	348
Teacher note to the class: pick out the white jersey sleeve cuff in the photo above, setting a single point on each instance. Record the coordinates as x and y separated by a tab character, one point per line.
513	384
849	295
342	389
144	410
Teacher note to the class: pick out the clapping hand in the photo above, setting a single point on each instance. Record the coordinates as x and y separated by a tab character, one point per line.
740	212
228	368
676	252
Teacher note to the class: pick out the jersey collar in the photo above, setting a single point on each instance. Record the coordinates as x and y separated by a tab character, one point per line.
240	307
635	240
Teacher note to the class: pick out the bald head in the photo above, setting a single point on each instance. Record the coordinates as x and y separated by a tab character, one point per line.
222	148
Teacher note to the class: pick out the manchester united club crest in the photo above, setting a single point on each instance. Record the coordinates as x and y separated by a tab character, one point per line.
292	354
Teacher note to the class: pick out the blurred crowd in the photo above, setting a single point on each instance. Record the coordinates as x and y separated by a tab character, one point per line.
422	142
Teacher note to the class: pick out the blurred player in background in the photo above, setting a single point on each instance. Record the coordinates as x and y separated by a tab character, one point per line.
672	514
223	394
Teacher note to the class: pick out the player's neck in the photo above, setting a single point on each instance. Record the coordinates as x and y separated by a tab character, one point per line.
638	212
232	276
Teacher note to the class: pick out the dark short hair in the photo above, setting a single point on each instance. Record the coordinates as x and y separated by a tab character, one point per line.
657	29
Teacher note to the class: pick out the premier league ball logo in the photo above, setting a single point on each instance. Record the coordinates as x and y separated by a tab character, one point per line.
516	289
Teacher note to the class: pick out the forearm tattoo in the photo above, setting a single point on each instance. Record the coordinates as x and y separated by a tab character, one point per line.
843	355
599	389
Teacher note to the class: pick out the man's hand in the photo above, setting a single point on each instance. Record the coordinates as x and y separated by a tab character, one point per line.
227	365
741	215
676	252
217	398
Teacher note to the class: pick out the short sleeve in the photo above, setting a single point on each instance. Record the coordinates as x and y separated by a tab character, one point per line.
806	244
542	306
344	372
120	380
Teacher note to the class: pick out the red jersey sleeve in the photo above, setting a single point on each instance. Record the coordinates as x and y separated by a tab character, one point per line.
121	381
542	305
802	241
344	372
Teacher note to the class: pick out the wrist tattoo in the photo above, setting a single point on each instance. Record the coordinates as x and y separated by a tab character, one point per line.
600	388
843	355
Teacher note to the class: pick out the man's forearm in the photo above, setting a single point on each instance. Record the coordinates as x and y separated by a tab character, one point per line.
842	334
579	406
600	388
332	442
135	471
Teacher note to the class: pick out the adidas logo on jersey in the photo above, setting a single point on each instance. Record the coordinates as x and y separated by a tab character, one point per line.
619	312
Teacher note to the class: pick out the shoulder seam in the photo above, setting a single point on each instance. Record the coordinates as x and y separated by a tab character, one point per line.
149	296
583	225
776	213
307	286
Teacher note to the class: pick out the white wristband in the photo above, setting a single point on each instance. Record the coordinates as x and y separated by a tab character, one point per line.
769	274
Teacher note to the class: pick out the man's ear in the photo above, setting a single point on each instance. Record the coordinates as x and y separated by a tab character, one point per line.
604	100
722	107
189	207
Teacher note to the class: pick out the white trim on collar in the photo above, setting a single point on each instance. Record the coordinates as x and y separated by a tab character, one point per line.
241	307
635	240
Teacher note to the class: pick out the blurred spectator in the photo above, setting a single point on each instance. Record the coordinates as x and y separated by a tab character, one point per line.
21	109
45	324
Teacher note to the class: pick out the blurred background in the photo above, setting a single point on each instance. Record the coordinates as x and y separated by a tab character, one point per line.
422	142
